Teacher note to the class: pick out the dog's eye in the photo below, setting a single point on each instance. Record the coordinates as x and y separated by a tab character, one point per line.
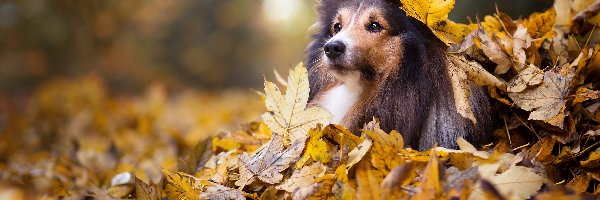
374	27
337	27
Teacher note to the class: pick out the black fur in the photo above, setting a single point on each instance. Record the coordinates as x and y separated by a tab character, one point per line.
416	99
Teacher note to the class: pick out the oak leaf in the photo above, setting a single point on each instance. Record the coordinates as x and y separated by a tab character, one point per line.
268	161
288	114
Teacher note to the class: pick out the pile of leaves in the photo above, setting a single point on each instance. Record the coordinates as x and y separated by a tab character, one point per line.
541	71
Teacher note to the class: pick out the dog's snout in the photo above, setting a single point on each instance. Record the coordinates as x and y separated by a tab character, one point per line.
334	49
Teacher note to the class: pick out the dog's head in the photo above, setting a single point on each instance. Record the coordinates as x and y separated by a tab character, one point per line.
360	38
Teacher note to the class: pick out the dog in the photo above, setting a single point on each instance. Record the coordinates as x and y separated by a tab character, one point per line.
369	59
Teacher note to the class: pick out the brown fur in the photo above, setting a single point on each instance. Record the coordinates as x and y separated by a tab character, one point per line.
403	74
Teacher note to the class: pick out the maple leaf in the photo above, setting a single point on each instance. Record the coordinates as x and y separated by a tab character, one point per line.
434	14
268	161
316	148
303	177
180	185
530	76
288	114
219	192
547	100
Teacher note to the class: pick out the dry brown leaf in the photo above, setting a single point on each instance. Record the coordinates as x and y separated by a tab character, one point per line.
547	100
303	177
521	41
516	182
219	192
316	191
267	163
288	114
530	76
144	191
583	94
398	177
580	183
495	52
593	161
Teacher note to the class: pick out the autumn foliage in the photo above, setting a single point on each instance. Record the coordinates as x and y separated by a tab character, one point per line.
541	71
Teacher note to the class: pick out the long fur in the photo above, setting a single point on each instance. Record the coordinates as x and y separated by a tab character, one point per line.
415	97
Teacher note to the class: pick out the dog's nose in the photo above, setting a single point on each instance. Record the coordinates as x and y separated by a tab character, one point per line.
334	49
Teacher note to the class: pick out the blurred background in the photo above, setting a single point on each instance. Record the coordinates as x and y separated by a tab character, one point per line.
93	88
207	44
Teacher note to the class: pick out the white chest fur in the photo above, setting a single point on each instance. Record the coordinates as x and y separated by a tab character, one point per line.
340	99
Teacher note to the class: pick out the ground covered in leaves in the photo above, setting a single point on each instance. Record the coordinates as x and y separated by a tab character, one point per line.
73	139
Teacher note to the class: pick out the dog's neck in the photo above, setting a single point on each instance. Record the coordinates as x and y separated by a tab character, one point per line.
343	98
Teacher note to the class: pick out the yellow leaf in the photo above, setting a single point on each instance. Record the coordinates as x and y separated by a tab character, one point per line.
303	177
540	25
288	114
593	161
385	149
430	181
368	183
316	148
434	14
180	185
